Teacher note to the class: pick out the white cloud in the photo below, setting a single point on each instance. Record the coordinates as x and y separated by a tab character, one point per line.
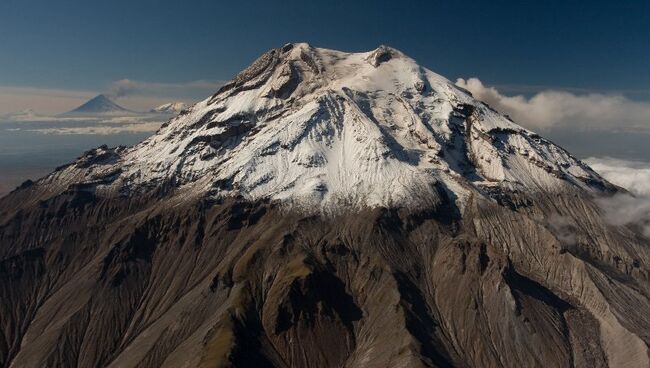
96	125
101	129
32	117
627	210
631	175
623	208
552	108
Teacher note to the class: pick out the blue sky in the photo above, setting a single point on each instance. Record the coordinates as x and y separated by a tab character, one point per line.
577	64
85	45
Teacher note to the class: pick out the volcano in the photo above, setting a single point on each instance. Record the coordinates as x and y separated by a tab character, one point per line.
324	209
99	105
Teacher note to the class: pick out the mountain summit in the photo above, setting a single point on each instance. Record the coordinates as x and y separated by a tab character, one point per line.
314	127
324	209
99	105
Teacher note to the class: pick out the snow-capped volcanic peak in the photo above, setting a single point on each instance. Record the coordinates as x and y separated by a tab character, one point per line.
169	108
323	127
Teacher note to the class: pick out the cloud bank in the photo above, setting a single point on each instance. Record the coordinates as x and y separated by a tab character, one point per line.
100	126
551	108
141	127
631	175
626	209
134	95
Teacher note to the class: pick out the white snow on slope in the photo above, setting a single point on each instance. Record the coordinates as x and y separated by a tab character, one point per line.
317	127
169	108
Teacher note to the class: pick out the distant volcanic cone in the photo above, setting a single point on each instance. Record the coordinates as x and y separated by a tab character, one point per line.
99	105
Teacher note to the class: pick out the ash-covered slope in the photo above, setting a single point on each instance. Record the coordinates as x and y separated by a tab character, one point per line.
323	209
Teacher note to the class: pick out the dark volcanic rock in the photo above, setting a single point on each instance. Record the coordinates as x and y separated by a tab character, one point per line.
133	283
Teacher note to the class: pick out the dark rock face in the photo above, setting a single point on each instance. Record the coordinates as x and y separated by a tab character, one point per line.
381	55
88	281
